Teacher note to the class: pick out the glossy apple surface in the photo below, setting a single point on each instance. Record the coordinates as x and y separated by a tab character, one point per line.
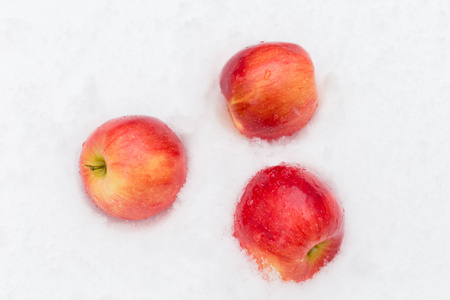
289	221
133	167
270	89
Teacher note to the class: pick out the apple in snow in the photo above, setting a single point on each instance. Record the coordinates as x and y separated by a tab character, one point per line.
289	221
270	89
133	167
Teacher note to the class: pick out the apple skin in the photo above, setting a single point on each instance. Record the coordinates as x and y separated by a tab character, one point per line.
289	221
133	167
270	89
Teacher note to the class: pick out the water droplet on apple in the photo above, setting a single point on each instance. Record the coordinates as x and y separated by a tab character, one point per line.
257	237
240	78
286	173
267	74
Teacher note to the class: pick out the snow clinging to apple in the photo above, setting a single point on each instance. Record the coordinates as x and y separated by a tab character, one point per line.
288	220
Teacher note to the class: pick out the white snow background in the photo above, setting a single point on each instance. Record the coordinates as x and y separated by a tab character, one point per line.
380	138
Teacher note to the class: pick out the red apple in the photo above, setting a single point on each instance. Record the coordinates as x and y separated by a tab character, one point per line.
289	221
270	89
133	167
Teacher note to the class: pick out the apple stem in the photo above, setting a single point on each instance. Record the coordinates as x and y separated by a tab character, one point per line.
93	168
98	167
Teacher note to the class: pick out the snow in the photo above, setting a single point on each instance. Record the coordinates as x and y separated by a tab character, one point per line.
380	139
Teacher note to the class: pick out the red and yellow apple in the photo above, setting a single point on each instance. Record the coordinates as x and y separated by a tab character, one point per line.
133	167
289	221
270	89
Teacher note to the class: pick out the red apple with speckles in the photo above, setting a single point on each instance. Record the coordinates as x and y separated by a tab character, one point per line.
289	221
133	167
270	89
